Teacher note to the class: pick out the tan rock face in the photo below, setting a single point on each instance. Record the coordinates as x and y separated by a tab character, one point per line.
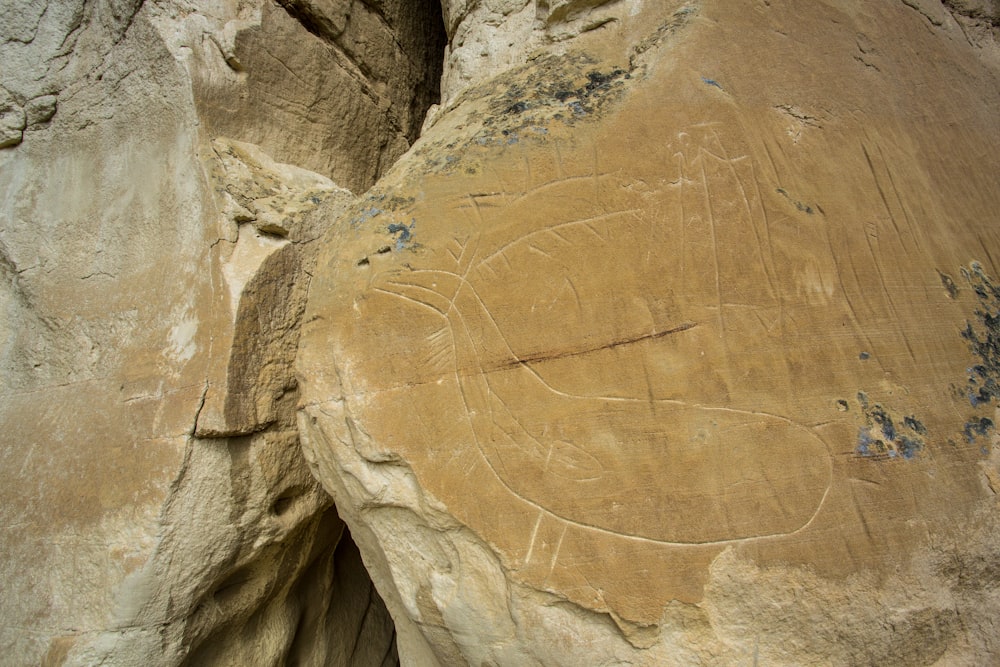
675	343
668	329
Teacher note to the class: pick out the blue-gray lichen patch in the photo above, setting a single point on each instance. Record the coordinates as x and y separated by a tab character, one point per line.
886	437
402	234
983	337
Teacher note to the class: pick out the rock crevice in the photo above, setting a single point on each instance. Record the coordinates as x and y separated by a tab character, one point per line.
618	332
165	173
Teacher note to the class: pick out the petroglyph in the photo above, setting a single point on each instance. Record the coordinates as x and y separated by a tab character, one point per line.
617	378
570	397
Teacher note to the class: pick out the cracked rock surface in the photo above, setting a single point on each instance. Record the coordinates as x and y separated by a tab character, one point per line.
165	170
670	342
514	332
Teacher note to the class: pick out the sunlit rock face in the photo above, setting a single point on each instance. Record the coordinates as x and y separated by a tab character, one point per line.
673	339
165	168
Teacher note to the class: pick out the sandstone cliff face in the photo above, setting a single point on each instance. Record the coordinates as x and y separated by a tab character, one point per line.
155	245
671	340
674	343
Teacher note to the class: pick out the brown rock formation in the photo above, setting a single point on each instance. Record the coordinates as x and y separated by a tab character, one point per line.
672	339
676	344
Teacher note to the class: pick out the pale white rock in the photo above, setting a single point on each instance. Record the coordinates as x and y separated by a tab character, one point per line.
152	274
670	341
12	120
488	38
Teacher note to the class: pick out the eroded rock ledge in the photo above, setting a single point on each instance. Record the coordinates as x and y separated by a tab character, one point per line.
166	171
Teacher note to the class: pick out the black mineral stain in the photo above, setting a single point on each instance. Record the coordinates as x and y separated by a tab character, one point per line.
377	204
914	425
547	94
977	428
558	90
805	208
882	419
599	82
983	338
365	215
882	438
949	285
517	107
863	400
982	386
403	235
402	230
566	89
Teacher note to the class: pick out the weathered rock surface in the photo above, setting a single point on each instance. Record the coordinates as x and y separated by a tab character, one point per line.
155	245
673	340
345	97
677	342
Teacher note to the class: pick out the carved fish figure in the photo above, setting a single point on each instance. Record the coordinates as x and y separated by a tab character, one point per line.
566	384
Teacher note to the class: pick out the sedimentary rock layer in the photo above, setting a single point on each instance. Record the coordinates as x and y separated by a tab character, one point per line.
675	343
164	172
